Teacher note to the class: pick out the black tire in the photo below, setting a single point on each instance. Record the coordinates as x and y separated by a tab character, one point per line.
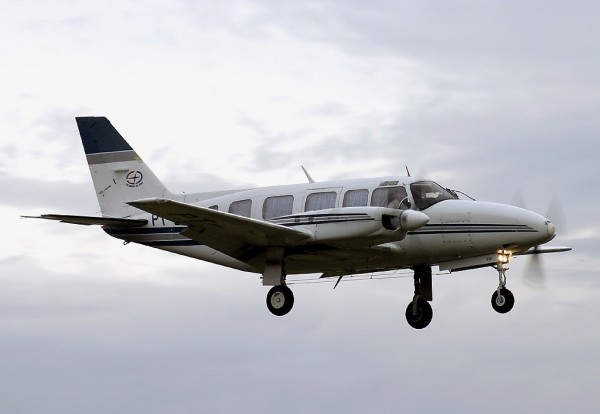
423	315
504	302
280	300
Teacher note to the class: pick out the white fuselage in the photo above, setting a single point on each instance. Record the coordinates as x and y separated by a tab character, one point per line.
456	229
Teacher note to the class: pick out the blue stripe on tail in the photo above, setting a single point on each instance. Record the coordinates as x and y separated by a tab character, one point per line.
98	135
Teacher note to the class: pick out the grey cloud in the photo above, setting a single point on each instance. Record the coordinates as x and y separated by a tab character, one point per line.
123	346
513	106
35	194
464	33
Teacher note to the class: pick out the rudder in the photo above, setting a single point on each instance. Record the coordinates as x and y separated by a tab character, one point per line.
118	173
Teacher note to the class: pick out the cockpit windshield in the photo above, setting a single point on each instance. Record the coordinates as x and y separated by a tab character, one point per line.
428	193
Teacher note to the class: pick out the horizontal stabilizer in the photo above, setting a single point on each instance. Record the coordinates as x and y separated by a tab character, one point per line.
92	220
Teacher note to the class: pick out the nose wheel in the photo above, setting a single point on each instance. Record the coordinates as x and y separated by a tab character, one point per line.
502	299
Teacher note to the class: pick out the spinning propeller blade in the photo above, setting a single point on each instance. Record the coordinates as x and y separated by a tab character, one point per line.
556	215
518	200
535	275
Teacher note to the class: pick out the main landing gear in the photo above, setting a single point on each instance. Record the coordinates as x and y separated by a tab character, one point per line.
502	299
280	300
419	312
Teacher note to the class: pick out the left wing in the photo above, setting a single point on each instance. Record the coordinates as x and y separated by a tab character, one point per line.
234	235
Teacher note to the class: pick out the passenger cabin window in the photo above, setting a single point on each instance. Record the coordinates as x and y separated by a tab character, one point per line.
428	193
356	198
241	208
390	197
277	206
320	201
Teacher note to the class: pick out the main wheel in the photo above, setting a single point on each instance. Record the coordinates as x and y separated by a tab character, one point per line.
504	301
280	300
420	317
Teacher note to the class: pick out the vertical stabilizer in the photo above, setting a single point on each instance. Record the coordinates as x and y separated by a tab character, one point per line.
118	173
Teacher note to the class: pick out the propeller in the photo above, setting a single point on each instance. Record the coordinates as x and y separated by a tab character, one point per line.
535	275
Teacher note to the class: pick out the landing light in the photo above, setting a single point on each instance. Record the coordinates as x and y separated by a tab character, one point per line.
504	256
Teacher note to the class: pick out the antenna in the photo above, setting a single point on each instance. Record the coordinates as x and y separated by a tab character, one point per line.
407	172
310	179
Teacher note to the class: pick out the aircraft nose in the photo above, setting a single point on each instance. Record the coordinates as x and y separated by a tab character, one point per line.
543	230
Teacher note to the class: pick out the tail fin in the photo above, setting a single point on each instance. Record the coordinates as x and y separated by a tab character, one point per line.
118	173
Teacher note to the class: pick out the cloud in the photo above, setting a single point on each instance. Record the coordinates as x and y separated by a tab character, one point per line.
163	347
31	194
489	100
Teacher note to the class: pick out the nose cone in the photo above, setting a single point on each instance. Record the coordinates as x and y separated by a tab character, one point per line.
551	229
545	230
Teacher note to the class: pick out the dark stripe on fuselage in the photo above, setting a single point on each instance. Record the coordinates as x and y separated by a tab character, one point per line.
321	215
145	230
473	228
429	229
303	220
169	243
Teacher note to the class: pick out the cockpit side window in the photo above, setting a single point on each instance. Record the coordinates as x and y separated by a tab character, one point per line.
390	197
428	193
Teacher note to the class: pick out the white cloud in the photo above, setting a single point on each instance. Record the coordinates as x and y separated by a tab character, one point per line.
488	100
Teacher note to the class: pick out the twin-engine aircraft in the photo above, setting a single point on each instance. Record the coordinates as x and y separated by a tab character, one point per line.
335	228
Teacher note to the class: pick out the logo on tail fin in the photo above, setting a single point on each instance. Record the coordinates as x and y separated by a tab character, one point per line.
134	179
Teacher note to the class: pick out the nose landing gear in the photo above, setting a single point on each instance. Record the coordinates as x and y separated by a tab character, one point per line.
502	299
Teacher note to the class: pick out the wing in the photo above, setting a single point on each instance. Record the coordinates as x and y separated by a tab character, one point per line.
92	220
236	236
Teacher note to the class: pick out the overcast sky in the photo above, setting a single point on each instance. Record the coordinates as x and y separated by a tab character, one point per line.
496	99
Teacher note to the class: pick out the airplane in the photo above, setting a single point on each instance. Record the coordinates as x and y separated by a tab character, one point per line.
333	228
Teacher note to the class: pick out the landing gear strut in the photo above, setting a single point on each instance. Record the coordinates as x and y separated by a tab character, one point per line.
502	299
419	312
280	298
